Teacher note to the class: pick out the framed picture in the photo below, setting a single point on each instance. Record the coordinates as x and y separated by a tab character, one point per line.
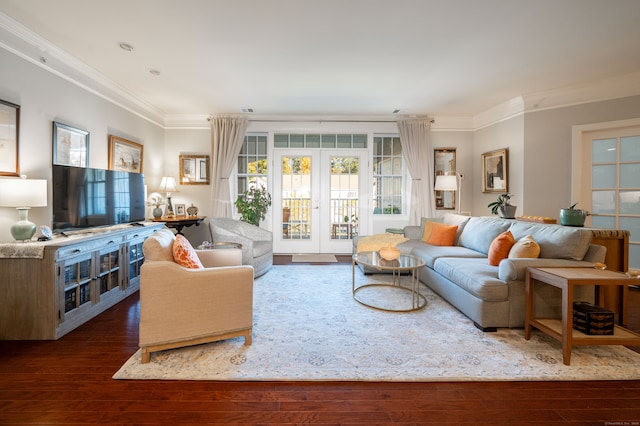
495	171
194	169
70	146
125	155
180	210
9	138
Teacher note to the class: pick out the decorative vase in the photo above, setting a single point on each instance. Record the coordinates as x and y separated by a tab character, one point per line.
192	211
157	213
572	217
508	211
389	253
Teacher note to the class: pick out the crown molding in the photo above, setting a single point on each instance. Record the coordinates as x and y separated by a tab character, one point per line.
24	43
19	40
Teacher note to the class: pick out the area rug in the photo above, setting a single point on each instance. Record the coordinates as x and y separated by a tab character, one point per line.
309	327
313	258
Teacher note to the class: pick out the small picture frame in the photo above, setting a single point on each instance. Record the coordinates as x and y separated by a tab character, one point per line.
181	210
194	169
70	146
495	171
9	138
125	155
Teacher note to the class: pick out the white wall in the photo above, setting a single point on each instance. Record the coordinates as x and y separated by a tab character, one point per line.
505	134
547	168
44	98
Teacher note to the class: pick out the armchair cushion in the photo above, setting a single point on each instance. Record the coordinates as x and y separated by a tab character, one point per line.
159	246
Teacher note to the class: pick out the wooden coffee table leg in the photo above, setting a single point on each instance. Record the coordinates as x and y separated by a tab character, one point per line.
567	323
528	291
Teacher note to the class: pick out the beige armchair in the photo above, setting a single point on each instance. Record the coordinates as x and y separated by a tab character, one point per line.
182	307
257	243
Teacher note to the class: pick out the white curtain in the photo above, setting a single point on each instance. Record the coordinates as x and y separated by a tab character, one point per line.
227	136
415	138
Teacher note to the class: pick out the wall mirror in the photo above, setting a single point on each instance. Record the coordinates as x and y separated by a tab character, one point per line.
444	161
194	169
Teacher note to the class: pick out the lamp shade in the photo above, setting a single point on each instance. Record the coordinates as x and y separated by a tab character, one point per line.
168	184
446	183
23	192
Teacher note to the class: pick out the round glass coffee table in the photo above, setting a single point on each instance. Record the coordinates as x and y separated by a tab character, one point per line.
394	296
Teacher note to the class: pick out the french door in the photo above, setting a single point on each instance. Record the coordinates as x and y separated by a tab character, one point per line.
318	198
611	182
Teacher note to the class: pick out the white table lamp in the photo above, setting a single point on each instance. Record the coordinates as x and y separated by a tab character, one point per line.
23	194
168	185
450	182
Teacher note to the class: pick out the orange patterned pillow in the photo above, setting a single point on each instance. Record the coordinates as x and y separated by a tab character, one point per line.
184	254
500	247
442	235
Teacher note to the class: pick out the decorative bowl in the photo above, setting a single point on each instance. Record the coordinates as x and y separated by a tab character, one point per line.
389	253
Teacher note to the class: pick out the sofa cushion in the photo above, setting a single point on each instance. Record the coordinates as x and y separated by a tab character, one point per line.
184	253
500	248
430	253
159	246
556	241
475	276
525	248
479	232
456	219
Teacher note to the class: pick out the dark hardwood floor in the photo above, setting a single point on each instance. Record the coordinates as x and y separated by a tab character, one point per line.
69	382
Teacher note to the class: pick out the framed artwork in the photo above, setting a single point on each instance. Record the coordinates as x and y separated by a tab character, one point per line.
180	210
194	169
70	145
125	155
9	138
495	171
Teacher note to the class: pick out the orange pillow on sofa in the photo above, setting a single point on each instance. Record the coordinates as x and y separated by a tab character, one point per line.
500	247
442	235
184	254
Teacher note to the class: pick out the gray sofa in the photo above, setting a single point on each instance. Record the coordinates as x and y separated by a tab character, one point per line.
494	296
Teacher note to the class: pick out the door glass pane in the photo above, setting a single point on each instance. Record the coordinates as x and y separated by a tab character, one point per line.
296	198
630	202
344	197
632	224
603	176
630	148
630	175
608	222
604	150
603	202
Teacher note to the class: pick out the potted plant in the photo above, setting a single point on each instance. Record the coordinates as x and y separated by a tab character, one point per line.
503	205
572	216
253	205
156	202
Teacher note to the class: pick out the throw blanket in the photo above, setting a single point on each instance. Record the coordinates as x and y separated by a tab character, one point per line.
376	242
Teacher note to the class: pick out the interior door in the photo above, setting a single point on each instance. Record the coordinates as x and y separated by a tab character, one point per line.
317	204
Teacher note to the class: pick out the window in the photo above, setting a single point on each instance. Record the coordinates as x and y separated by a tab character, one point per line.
387	175
252	163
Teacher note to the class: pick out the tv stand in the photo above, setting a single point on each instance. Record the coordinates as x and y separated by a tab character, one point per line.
48	288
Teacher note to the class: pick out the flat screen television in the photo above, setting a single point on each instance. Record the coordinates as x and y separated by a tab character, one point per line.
85	197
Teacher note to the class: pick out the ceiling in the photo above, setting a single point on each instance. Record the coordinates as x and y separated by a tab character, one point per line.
340	57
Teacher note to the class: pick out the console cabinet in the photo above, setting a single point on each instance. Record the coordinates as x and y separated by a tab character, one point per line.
48	289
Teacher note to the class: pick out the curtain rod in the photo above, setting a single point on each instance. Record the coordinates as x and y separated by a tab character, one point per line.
322	121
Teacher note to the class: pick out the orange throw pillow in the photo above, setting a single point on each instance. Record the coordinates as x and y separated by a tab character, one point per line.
500	247
442	235
184	254
428	229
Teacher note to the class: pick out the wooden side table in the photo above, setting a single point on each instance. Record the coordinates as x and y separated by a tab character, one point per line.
180	222
566	279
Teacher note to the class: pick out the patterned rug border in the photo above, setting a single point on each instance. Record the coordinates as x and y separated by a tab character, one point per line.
307	327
